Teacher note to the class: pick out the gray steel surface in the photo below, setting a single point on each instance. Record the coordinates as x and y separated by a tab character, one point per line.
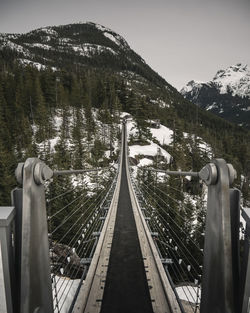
245	270
217	280
36	289
6	260
17	202
70	172
235	230
180	173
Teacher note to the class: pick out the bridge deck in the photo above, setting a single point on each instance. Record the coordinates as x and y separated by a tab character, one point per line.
126	274
126	288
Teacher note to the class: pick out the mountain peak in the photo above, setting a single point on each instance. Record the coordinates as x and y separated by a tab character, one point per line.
235	78
85	44
227	94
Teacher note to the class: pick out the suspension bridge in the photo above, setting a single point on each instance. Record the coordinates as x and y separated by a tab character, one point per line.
123	247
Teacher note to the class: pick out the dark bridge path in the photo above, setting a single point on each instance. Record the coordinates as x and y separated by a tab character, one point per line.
126	289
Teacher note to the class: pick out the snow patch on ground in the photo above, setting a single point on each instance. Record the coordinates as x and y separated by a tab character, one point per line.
212	106
202	145
39	45
64	40
145	162
13	46
112	38
48	30
39	66
189	293
89	49
162	134
151	150
64	292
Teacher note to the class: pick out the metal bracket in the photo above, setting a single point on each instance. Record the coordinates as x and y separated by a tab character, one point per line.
19	173
209	173
42	173
7	279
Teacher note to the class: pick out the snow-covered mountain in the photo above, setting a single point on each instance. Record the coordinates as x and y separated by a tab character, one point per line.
65	38
78	45
226	95
234	79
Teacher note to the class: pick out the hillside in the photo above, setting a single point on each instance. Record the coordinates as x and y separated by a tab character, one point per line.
226	95
79	45
62	93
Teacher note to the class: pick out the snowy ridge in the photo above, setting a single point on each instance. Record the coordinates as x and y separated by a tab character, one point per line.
192	87
88	49
37	65
78	43
234	79
13	46
48	30
51	39
39	45
116	38
226	95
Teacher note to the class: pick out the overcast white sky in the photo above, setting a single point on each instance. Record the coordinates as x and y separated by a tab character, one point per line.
180	39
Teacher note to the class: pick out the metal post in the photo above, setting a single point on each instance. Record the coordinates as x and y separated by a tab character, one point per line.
6	260
36	289
235	231
245	271
17	202
217	281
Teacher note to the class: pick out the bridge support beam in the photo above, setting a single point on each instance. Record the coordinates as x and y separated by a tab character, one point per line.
6	260
35	283
218	294
245	270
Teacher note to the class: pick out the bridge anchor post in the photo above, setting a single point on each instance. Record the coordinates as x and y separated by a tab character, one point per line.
7	288
35	277
218	288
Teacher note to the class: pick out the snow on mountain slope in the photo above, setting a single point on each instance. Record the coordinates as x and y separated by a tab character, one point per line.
192	88
152	149
162	136
149	150
226	95
58	38
234	79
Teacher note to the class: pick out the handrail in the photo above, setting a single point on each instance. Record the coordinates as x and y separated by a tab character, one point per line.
93	287
162	292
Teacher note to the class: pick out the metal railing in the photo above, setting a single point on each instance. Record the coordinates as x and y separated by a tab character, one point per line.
25	266
224	288
27	251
